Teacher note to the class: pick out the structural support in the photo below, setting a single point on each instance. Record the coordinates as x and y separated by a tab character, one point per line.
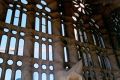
71	45
58	47
27	73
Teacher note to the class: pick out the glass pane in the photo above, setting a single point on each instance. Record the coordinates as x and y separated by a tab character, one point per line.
36	50
43	25
65	55
44	76
12	45
8	74
21	47
18	75
43	51
24	1
35	76
3	43
49	27
63	31
51	77
24	17
50	53
76	35
16	21
37	24
0	72
9	15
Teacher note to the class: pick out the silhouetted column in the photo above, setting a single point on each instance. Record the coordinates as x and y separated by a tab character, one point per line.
3	11
29	44
58	47
71	46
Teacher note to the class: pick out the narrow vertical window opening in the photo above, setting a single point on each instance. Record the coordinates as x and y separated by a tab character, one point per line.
76	34
50	53
8	16
8	74
3	44
65	54
35	76
18	75
49	27
24	17
37	24
43	51
16	18
12	45
36	50
21	47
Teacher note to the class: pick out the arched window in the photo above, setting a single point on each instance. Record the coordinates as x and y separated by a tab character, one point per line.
17	16
18	74
36	50
21	47
44	76
3	44
35	76
12	45
8	74
43	51
104	62
50	53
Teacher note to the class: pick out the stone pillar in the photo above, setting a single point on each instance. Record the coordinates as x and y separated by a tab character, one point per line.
89	37
3	11
27	67
106	38
58	47
71	46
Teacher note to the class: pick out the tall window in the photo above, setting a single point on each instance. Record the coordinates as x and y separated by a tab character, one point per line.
16	16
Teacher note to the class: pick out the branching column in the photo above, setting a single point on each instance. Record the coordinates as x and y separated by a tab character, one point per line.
29	44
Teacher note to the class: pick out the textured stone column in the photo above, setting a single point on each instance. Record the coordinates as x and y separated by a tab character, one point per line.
89	37
58	48
71	46
27	67
3	11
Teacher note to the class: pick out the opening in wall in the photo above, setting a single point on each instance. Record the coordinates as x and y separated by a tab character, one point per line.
21	47
12	45
50	53
37	24
8	74
24	18
65	54
8	16
36	50
16	18
18	75
35	76
76	34
43	52
63	29
3	44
